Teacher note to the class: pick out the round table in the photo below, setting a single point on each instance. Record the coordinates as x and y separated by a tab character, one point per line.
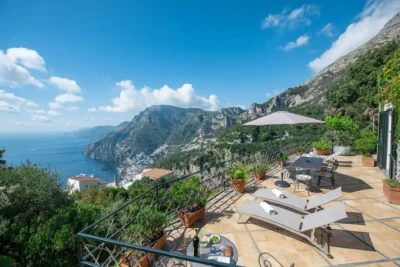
204	252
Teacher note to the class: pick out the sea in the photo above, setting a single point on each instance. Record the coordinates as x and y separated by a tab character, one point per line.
61	152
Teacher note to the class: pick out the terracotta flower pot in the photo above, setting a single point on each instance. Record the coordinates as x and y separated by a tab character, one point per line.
281	163
188	220
239	185
321	152
299	153
259	175
142	262
159	244
368	161
392	194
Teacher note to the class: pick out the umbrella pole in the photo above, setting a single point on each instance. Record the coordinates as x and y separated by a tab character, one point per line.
281	182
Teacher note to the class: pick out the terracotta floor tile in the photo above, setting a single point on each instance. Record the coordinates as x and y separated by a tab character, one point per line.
314	258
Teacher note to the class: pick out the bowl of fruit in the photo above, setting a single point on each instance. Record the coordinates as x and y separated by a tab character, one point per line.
215	239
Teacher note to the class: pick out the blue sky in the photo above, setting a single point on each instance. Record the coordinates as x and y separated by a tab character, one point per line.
70	64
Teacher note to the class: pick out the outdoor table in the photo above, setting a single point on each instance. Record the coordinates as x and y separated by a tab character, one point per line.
204	252
308	163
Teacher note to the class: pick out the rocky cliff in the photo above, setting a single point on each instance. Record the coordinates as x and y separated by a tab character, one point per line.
156	131
314	89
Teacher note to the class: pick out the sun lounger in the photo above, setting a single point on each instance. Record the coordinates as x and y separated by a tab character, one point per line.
298	203
310	226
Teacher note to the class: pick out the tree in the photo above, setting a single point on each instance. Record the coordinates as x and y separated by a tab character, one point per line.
356	90
29	197
2	161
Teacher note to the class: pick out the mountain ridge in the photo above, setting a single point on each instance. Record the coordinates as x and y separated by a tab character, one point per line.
314	88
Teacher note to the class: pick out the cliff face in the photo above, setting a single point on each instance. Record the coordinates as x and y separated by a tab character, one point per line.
314	89
156	130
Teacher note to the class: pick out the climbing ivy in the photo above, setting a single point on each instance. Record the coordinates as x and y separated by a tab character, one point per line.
389	83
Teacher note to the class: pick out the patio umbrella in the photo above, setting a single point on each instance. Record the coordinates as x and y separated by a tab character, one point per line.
282	118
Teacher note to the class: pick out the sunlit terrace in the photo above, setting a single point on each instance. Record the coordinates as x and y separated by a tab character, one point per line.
370	235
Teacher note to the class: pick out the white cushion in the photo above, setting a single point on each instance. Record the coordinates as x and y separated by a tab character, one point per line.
303	177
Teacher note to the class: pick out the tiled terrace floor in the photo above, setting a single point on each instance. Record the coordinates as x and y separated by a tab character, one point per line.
369	236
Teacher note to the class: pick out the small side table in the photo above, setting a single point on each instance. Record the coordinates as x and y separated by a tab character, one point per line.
204	252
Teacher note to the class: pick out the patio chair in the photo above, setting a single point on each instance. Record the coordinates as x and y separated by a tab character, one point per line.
302	176
311	227
328	173
298	203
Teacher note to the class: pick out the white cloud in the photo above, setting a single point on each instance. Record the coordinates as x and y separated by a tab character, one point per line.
369	22
13	74
327	30
302	40
296	17
18	100
131	99
65	84
22	123
31	104
37	111
26	57
92	109
53	113
55	105
41	118
273	93
109	119
7	107
65	98
72	108
87	118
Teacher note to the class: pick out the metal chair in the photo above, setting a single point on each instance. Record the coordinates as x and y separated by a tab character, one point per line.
303	176
328	173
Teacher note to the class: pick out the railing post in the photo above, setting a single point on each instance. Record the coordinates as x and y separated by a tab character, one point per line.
78	243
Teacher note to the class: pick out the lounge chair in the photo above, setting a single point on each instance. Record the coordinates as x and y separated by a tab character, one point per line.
296	223
298	203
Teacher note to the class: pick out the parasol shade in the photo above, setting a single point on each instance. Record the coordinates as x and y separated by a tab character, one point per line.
281	118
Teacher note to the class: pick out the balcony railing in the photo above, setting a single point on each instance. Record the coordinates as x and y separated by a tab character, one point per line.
107	241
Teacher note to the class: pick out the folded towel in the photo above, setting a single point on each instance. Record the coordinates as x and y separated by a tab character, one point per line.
277	193
268	208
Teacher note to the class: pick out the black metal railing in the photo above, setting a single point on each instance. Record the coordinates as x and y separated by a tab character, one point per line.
107	241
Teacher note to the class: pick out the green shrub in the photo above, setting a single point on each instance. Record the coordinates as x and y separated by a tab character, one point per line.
239	171
190	192
367	155
321	145
150	224
282	157
366	143
392	183
299	149
262	167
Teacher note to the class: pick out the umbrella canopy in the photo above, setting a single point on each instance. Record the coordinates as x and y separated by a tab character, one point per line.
283	117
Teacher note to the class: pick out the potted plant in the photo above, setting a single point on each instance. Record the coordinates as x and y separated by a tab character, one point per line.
149	225
239	175
366	144
260	170
195	197
134	258
341	131
281	159
391	190
299	151
321	147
